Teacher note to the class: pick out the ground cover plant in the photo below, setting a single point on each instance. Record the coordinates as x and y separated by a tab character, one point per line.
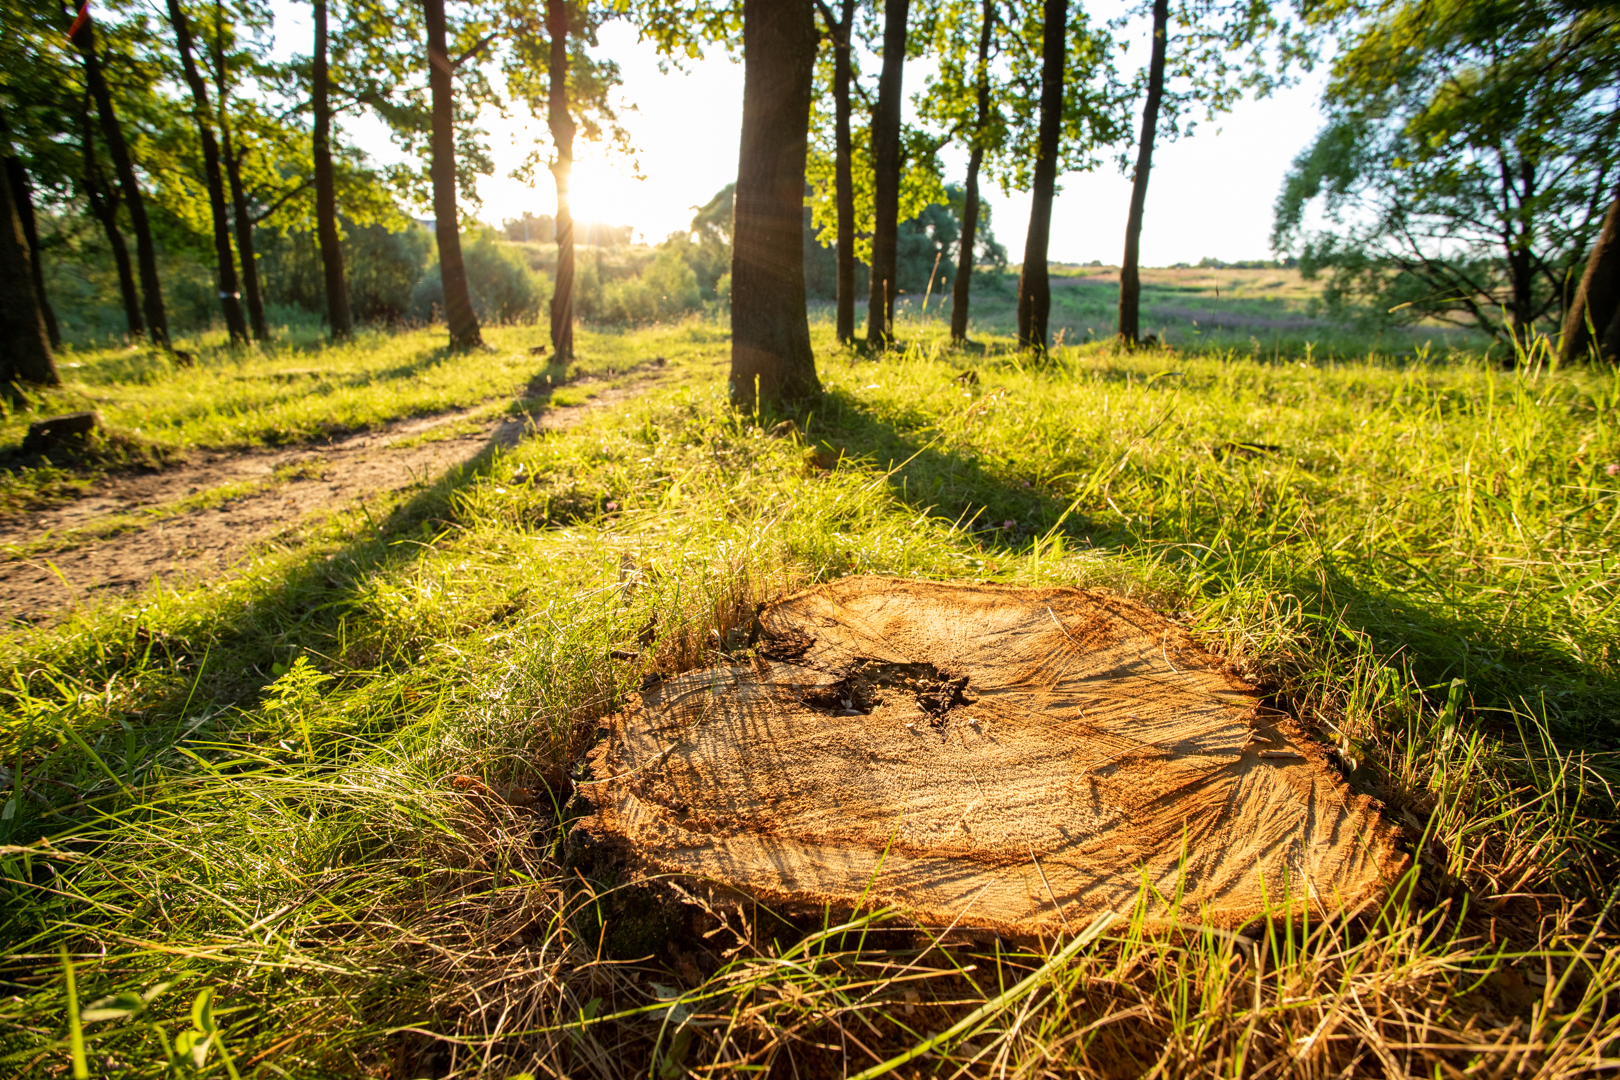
311	819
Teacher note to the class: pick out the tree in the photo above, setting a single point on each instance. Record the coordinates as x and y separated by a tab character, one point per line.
1470	151
771	359
230	299
1034	289
561	125
577	95
339	319
1192	43
105	211
886	163
22	197
26	353
1130	281
231	156
959	82
458	309
82	31
840	29
1022	112
1593	319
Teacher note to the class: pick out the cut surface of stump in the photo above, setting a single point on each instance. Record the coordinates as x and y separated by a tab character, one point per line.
1017	759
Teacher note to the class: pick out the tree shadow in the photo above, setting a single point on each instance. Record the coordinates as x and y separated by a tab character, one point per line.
1507	666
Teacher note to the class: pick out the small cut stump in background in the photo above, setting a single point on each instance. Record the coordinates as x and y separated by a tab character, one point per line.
984	755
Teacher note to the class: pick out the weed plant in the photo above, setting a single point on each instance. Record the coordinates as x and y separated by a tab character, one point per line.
310	819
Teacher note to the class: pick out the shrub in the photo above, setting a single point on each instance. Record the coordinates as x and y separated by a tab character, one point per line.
504	289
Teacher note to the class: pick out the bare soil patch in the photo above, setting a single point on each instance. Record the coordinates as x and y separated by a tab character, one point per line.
1007	758
44	583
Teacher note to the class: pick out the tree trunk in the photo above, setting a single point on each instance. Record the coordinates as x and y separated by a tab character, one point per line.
970	203
157	323
771	360
339	320
239	207
886	181
230	299
22	196
1034	288
561	124
1594	313
1130	281
25	348
458	309
843	171
106	212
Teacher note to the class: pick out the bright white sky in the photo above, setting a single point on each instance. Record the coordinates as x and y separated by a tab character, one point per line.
1210	195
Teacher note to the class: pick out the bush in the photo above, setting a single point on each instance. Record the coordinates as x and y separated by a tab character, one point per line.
382	268
667	288
504	289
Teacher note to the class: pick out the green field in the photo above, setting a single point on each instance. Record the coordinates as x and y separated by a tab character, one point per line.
270	822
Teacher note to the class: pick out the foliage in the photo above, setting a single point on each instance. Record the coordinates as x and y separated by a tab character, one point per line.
382	266
1470	151
504	288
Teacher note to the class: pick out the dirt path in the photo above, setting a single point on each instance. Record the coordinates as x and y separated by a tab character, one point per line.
273	490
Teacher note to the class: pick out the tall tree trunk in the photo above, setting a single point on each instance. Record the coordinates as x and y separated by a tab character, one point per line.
886	181
233	174
561	124
25	347
338	317
106	212
458	309
771	360
1594	314
1130	280
22	196
244	238
843	170
1034	288
230	299
970	203
157	323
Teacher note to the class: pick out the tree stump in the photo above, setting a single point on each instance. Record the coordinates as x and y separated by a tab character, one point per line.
55	432
1014	759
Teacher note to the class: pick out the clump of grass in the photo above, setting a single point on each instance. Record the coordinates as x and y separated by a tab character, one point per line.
332	791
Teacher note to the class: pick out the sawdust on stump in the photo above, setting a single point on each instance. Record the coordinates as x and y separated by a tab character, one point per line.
1007	758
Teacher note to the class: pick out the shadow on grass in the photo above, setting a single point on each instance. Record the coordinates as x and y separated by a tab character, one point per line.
215	660
1507	665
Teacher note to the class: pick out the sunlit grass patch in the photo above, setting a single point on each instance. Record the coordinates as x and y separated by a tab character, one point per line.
331	789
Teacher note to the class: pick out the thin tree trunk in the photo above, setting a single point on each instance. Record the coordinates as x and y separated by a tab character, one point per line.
561	124
338	316
25	348
970	204
22	196
843	171
458	309
106	212
1594	314
771	359
239	207
157	323
230	299
1130	280
1034	288
886	179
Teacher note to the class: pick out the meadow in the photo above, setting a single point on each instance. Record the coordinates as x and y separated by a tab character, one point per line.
310	819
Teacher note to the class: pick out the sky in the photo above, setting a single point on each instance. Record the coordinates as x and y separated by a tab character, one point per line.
1210	194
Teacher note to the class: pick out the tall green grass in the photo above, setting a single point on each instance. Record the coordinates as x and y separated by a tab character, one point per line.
310	818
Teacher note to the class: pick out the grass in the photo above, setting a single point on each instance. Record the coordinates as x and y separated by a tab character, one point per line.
310	819
1257	313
